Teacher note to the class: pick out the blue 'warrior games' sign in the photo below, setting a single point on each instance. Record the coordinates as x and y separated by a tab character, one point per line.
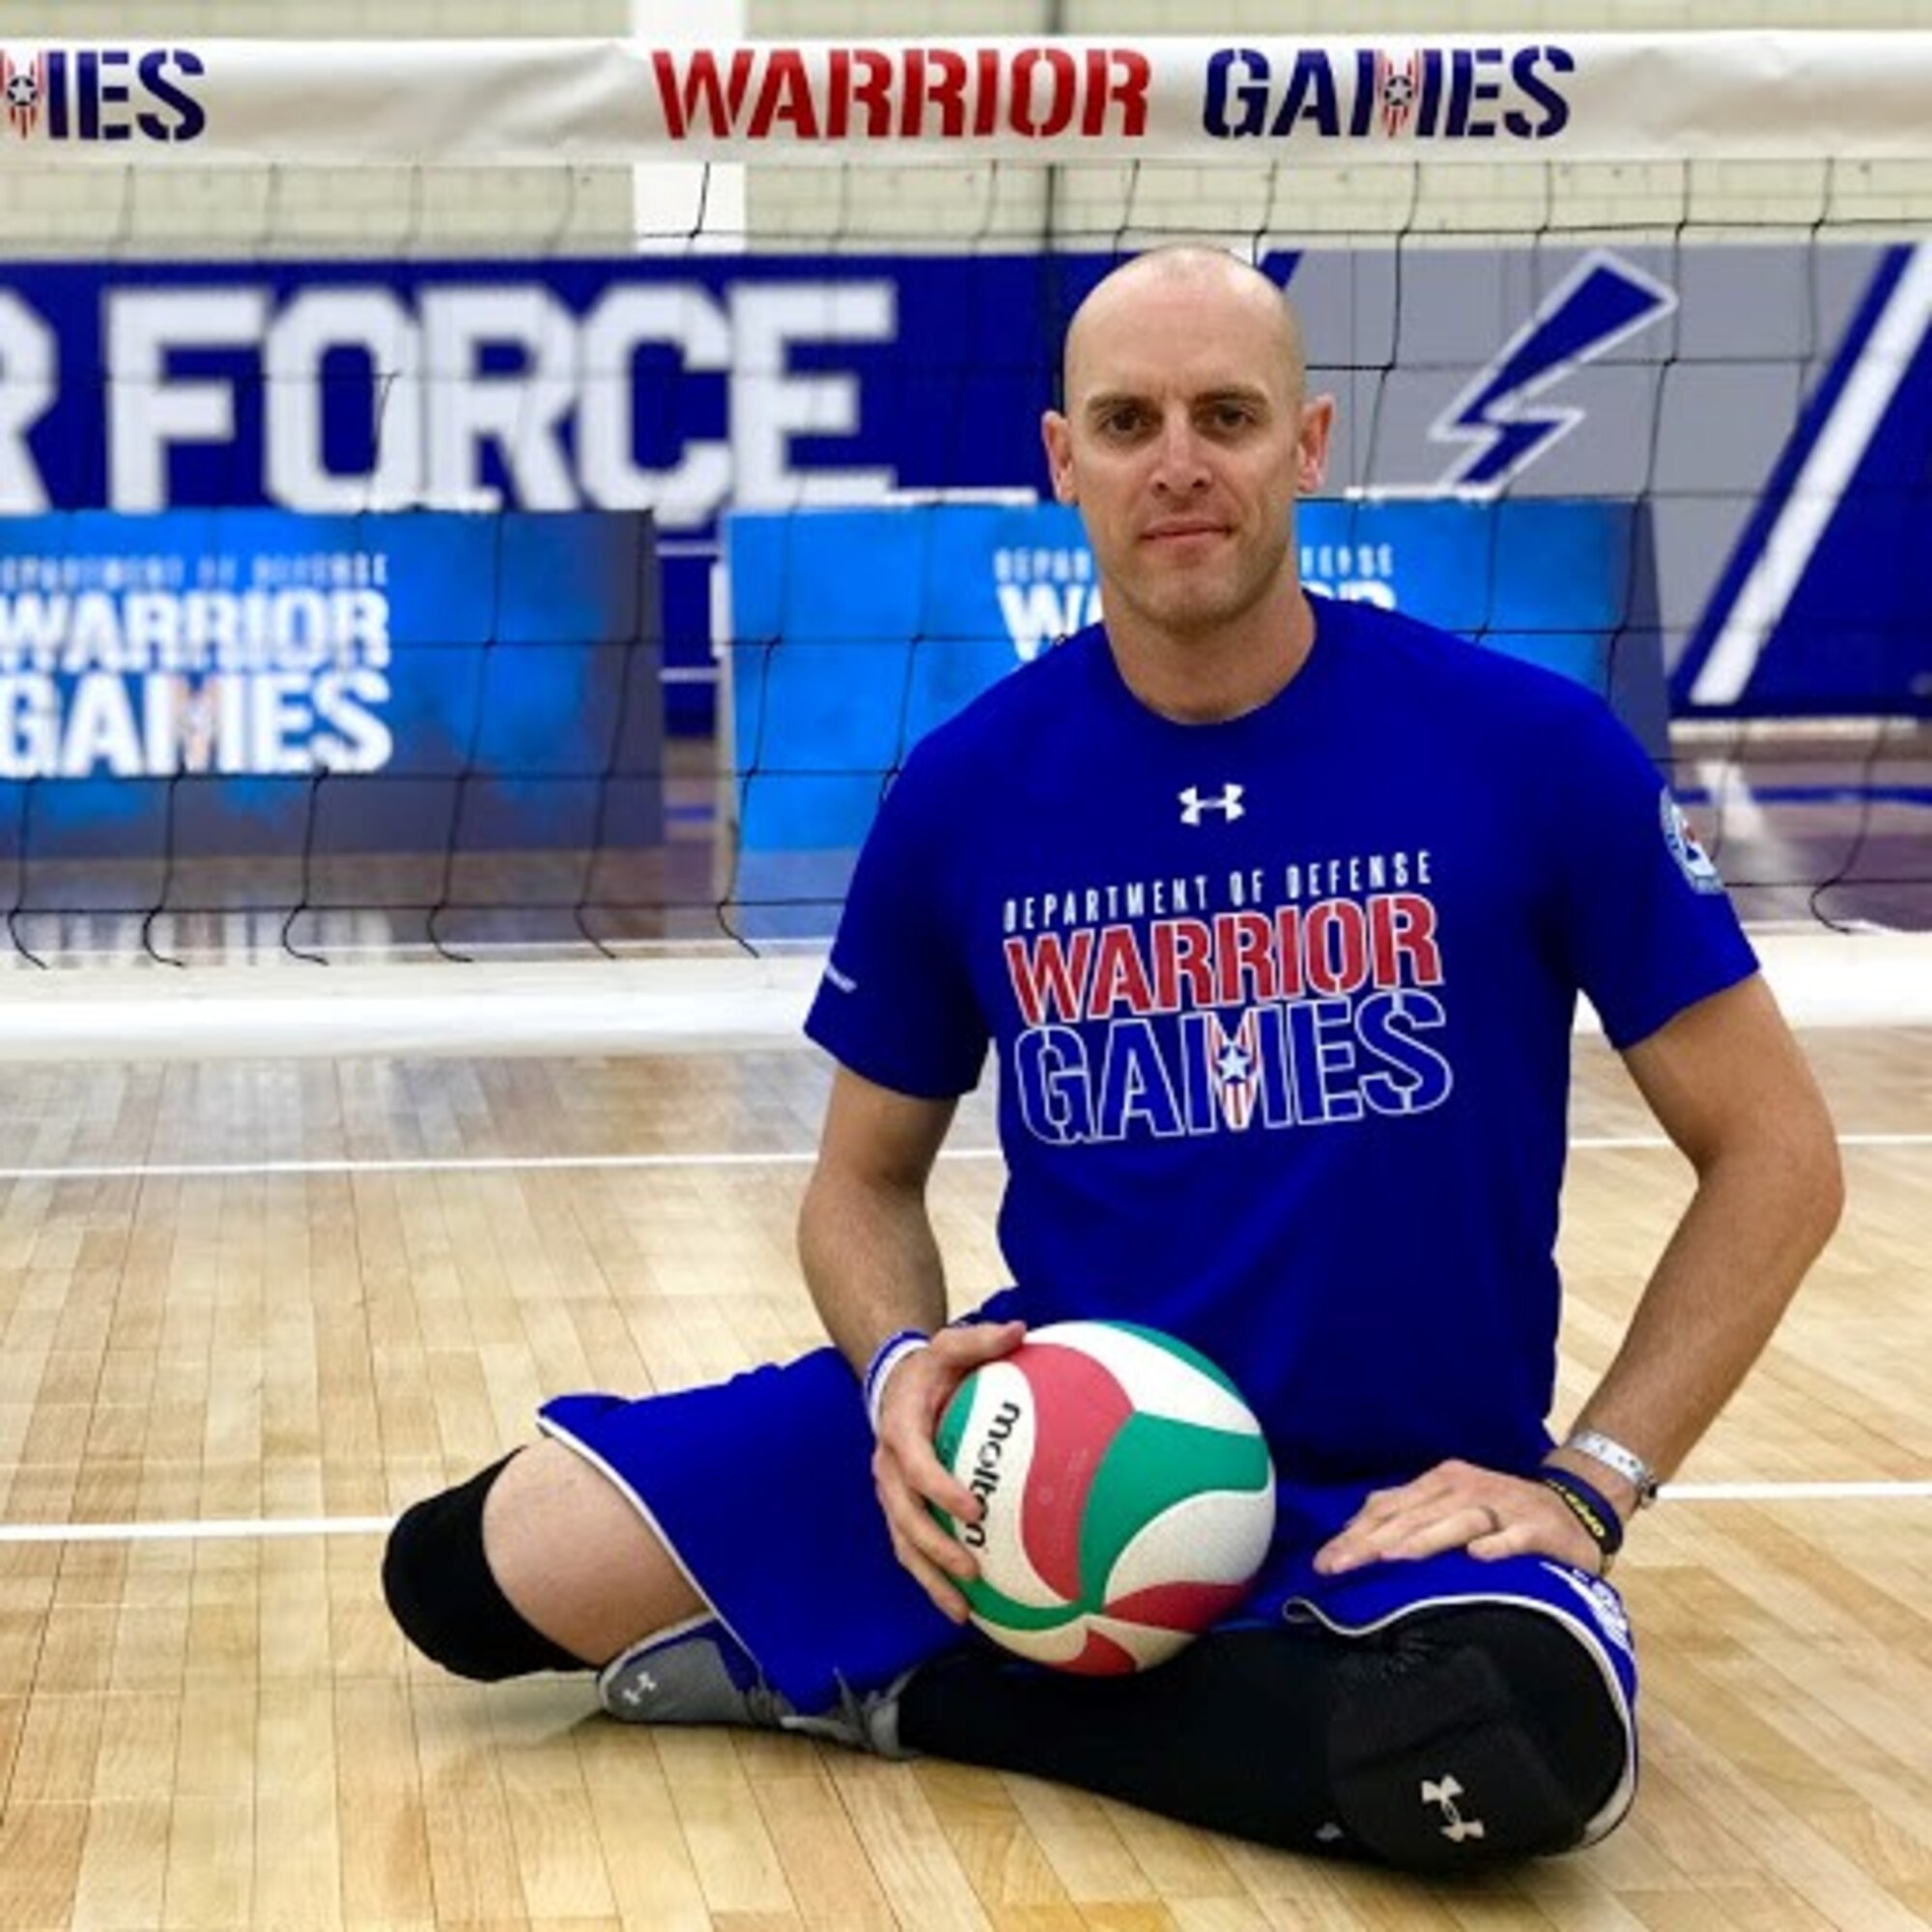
858	631
181	682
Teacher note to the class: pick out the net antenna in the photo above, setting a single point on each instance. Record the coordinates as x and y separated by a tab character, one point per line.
561	338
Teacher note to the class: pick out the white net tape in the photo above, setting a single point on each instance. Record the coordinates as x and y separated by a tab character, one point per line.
1586	97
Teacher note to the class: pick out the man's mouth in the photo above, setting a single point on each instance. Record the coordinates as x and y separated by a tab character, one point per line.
1180	528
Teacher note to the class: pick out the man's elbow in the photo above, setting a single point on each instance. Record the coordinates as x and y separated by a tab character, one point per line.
1811	1174
1785	1159
1828	1183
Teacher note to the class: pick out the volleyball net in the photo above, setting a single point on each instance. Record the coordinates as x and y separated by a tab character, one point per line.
519	500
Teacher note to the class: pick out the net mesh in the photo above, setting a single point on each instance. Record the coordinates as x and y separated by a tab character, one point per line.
789	340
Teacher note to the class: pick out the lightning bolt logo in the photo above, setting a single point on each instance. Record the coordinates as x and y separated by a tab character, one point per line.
1601	302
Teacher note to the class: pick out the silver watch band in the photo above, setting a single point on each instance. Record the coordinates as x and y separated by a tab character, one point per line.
1612	1455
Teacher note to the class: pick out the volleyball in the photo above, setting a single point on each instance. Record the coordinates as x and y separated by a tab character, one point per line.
1127	1495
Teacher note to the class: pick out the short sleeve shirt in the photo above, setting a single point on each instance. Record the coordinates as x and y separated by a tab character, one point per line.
1281	1009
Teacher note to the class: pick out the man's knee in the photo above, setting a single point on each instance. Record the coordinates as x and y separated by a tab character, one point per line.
443	1592
1473	1736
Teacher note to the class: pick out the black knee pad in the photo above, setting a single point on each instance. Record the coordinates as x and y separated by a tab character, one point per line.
1471	1737
441	1590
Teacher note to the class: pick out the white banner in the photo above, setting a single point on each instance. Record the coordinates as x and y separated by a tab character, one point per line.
1245	99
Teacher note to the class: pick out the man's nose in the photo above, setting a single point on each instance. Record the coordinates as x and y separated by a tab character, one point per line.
1179	464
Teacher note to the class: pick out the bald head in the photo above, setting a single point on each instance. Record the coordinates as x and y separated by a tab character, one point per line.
1185	440
1197	274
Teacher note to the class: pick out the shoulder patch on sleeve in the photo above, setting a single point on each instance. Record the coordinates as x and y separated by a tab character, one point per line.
1692	860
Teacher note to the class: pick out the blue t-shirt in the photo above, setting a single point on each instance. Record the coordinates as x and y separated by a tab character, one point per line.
1282	1008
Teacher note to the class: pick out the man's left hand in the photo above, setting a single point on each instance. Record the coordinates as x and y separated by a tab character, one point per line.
1461	1506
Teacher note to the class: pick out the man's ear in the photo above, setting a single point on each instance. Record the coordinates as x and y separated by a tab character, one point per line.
1310	460
1057	434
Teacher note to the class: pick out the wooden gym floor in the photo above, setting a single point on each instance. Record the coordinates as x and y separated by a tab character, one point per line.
248	1309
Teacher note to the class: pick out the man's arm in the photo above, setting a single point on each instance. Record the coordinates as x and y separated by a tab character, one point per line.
864	1239
1729	1086
873	1266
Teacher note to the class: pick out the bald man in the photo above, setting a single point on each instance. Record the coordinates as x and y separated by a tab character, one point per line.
1392	861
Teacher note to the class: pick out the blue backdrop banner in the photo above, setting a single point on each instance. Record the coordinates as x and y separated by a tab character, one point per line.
684	385
206	681
854	632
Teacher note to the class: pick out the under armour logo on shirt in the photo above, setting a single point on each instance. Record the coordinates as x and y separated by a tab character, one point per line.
1228	804
1444	1791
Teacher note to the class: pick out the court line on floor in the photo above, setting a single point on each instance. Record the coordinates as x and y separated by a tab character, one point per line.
1886	1491
232	1528
216	1529
512	1163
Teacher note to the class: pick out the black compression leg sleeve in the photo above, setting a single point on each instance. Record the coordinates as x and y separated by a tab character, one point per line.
441	1590
1229	1734
1313	1742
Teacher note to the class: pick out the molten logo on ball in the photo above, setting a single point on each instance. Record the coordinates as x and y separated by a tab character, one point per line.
984	1481
1127	1490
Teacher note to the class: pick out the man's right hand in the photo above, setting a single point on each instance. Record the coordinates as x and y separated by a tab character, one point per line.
908	1474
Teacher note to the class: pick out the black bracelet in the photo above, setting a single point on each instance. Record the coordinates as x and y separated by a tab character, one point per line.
1591	1507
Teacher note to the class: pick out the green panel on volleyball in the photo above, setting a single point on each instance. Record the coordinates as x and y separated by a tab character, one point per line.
1173	1344
1152	1462
946	1438
999	1609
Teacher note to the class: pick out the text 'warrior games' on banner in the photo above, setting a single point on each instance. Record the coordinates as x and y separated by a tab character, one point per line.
184	682
1580	97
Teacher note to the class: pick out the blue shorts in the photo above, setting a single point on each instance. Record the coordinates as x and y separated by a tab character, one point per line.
761	1489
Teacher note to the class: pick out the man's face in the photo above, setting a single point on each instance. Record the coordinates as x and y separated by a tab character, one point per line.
1186	442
